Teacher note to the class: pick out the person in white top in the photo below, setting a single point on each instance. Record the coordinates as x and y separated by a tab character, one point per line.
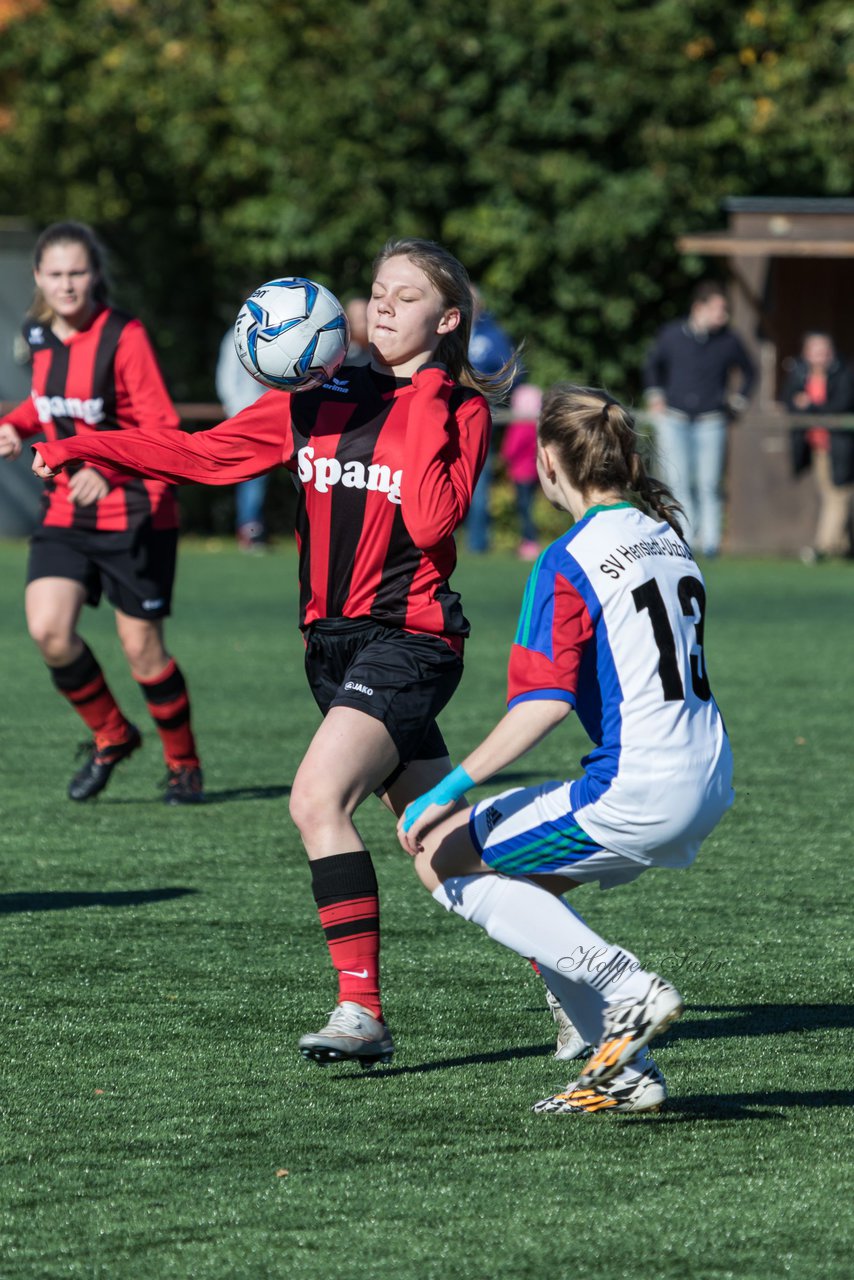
236	390
611	626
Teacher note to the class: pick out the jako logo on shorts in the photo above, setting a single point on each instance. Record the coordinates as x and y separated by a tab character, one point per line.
327	472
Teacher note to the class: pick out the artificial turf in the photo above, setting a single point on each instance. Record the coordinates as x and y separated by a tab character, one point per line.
159	966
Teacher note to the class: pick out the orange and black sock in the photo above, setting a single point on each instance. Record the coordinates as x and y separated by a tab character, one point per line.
168	701
82	683
345	890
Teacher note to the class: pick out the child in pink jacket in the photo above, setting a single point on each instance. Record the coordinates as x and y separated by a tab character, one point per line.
519	452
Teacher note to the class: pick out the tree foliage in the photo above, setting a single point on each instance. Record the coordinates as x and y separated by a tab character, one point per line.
557	147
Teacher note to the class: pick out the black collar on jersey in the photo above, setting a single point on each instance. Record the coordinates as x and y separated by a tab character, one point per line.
386	381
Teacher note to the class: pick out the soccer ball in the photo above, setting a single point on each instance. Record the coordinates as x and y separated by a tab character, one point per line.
291	334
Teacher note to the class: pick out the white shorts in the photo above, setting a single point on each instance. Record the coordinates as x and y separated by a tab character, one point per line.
522	832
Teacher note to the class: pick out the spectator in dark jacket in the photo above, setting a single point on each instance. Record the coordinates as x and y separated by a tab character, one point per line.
686	380
819	383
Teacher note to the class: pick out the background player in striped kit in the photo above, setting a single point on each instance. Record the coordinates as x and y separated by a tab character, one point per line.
612	625
387	455
94	371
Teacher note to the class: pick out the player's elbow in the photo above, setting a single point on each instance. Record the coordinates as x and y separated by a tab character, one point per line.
550	712
429	535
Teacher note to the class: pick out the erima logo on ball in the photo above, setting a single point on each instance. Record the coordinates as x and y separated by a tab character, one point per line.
327	472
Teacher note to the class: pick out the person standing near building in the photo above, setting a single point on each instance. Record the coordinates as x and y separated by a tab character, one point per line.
686	383
819	383
95	373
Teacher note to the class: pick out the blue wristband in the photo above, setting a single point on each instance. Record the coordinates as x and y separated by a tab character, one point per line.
445	792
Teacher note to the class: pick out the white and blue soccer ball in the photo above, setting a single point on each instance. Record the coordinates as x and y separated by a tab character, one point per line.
291	334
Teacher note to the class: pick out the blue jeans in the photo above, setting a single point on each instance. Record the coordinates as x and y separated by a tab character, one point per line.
525	494
249	503
690	456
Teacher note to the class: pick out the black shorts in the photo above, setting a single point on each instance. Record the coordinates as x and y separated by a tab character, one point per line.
397	677
134	569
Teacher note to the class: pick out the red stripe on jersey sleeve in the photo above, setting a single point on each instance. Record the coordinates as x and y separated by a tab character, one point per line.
532	672
24	419
444	455
141	397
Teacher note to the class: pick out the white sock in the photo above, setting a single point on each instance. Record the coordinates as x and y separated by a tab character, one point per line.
582	1004
533	922
630	1073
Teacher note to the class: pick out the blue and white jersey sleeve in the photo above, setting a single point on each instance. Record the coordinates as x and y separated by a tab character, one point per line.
554	629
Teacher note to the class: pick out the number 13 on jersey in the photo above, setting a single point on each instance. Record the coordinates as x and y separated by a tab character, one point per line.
692	600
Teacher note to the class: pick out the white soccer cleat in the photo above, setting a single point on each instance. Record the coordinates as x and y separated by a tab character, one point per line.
570	1042
630	1024
352	1034
631	1090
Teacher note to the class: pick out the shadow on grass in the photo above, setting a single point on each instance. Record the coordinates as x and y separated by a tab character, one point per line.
211	797
247	793
444	1064
757	1020
753	1106
59	901
751	1020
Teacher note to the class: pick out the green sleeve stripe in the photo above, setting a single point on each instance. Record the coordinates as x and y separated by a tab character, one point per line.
524	629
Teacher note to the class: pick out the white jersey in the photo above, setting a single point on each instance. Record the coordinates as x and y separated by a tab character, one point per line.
612	622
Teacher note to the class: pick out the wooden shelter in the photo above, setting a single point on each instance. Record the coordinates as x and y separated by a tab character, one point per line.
790	267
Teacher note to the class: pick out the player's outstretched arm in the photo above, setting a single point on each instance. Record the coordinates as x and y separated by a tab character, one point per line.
255	441
524	725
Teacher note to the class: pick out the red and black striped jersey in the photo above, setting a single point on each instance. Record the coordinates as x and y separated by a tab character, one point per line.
104	378
385	470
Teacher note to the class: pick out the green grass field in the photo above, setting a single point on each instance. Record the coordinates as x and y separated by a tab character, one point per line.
159	966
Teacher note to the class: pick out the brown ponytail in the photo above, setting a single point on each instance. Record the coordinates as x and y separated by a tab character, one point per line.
597	445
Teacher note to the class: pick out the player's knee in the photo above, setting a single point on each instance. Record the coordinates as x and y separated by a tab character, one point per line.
53	640
297	807
309	808
425	870
145	654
